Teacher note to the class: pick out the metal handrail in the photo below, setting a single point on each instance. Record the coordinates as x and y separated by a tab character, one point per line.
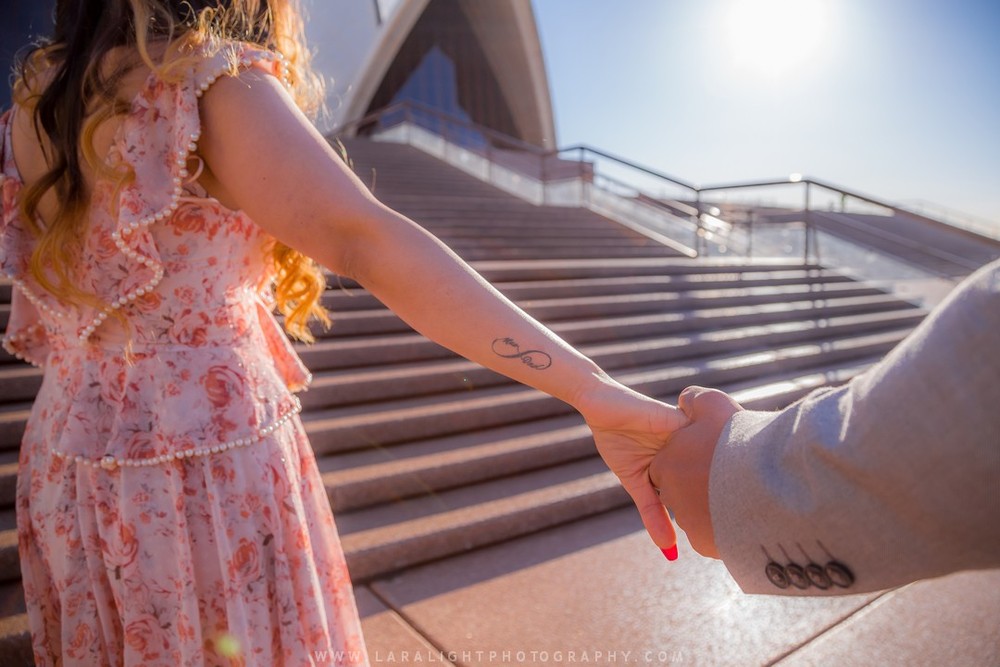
907	243
897	209
854	194
408	106
584	148
960	220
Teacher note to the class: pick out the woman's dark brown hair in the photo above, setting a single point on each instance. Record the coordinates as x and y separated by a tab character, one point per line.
68	87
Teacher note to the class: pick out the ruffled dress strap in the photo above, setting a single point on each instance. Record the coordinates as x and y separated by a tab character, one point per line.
26	336
158	137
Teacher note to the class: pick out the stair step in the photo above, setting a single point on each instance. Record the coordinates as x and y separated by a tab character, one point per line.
462	519
341	299
10	564
12	419
387	475
552	311
363	385
412	347
710	319
389	537
534	455
552	268
15	640
413	418
443	521
14	415
20	382
8	476
393	421
474	253
780	392
682	269
367	477
575	307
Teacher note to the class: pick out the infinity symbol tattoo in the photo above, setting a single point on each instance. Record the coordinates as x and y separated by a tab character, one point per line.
509	349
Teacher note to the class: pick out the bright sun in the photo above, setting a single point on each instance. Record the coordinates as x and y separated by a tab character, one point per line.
775	37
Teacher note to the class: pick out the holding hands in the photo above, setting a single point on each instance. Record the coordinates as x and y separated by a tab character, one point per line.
629	429
680	470
662	456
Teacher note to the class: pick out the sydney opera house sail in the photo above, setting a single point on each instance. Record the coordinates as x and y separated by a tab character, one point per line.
481	61
477	60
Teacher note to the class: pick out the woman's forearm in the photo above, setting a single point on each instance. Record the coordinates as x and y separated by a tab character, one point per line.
318	206
442	297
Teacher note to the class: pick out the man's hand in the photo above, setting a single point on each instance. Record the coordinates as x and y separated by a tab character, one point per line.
681	469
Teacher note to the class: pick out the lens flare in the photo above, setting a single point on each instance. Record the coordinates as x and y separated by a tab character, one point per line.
227	646
775	37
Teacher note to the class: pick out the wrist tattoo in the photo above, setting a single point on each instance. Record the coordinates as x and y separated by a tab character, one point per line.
509	349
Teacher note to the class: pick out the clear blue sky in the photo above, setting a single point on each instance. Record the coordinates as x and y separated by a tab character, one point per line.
897	98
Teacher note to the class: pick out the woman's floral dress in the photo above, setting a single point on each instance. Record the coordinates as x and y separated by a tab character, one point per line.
169	508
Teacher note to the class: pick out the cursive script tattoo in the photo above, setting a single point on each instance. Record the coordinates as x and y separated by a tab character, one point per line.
509	349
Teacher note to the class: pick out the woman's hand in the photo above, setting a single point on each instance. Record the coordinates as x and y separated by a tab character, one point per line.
629	429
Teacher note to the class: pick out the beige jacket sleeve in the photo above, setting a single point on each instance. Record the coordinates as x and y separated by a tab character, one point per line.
892	478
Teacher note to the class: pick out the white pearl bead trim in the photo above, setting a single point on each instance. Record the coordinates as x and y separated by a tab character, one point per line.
40	305
247	61
10	340
179	180
110	462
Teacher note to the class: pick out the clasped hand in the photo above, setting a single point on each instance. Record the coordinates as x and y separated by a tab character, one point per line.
653	446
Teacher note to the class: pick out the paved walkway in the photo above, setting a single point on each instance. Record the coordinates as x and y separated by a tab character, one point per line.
597	592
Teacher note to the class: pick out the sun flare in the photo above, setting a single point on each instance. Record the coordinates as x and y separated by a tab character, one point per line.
775	37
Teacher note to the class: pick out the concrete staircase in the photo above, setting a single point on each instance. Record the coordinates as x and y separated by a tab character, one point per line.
426	455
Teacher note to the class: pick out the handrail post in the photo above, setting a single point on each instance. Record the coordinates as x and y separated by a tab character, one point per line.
489	160
809	226
697	223
543	177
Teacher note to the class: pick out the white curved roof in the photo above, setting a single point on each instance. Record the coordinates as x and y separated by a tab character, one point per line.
355	42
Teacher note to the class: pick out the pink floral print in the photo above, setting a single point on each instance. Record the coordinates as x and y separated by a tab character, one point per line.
169	507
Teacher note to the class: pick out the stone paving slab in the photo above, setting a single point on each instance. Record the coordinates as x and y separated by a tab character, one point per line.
390	640
952	621
598	592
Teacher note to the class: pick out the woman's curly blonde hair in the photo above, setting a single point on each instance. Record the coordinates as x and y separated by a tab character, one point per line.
66	85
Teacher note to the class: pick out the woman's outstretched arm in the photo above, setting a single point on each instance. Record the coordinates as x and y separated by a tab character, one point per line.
267	159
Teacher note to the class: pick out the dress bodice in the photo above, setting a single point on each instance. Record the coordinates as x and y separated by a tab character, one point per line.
209	366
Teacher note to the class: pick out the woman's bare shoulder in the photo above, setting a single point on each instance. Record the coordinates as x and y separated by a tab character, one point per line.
125	72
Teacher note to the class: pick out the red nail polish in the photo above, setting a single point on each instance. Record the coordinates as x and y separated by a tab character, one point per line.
670	552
